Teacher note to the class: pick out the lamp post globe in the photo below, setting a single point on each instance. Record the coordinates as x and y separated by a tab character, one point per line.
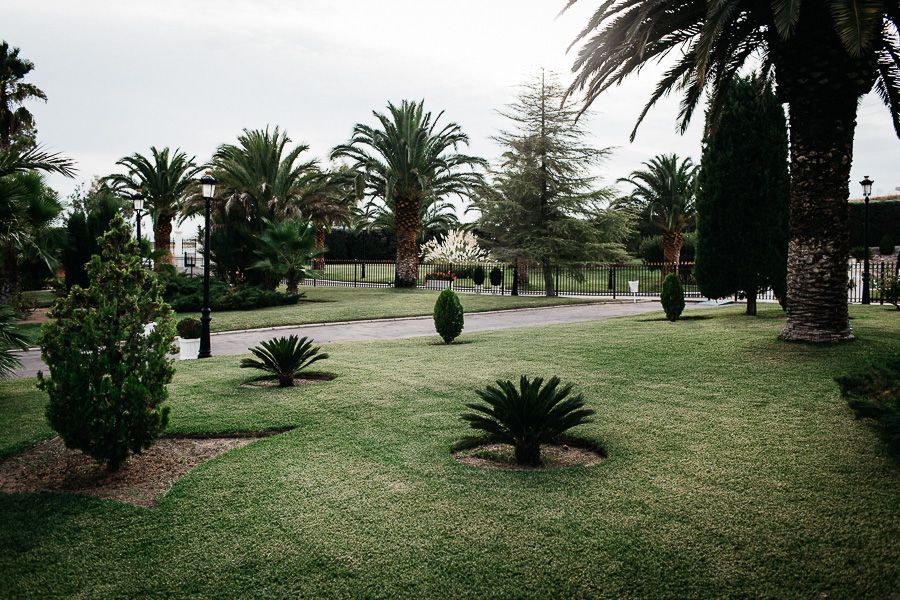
866	184
208	189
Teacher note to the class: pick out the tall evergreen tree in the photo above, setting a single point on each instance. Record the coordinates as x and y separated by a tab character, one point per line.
545	204
16	121
743	196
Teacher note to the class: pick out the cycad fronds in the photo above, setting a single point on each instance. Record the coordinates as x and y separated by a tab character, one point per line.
284	357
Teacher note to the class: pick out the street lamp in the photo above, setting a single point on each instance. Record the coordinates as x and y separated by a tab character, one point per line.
208	188
866	184
137	200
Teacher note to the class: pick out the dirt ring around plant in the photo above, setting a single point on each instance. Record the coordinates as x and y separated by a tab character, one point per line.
305	379
569	453
142	480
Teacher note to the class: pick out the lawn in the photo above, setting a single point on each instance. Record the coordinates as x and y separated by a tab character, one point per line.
734	469
324	304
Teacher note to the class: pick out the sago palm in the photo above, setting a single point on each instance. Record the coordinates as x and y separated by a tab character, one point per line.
285	249
823	55
15	120
408	157
664	194
284	357
166	178
528	415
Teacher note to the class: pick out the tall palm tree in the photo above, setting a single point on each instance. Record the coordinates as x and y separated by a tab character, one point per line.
823	54
410	157
286	247
15	119
664	193
436	216
166	179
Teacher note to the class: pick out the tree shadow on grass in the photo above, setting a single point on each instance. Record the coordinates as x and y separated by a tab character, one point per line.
687	318
453	343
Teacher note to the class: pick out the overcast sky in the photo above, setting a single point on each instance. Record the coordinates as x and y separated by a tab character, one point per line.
122	76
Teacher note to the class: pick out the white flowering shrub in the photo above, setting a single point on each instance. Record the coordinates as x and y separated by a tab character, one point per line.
457	246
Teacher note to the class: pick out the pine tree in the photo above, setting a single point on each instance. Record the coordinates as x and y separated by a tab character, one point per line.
108	373
545	203
742	200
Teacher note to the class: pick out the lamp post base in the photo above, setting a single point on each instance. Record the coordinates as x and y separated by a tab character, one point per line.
204	333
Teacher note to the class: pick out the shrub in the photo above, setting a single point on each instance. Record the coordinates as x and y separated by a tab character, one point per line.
478	275
496	276
185	294
890	290
672	296
527	416
859	252
189	328
108	374
875	395
284	357
886	245
448	316
10	339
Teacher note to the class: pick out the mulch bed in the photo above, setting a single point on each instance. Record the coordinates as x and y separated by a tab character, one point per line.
553	456
141	481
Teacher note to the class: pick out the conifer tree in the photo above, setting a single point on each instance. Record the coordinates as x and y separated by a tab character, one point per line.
742	200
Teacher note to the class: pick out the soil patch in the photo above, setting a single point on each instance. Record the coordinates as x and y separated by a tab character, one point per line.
553	456
142	480
272	382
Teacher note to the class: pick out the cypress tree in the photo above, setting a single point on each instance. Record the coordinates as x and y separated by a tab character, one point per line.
742	199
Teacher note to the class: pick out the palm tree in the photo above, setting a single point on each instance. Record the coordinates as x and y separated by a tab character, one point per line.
329	201
166	179
15	122
824	55
436	216
286	247
408	158
664	194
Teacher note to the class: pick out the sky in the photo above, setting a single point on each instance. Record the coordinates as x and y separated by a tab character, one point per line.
123	76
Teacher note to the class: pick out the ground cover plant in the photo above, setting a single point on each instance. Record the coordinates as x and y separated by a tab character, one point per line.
734	468
284	357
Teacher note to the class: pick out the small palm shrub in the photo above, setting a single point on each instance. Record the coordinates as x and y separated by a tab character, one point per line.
284	357
672	296
189	328
886	245
496	276
448	316
527	416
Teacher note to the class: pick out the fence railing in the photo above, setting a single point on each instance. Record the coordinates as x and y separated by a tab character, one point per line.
608	280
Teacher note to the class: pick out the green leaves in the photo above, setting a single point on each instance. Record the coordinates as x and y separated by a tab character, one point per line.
284	357
448	316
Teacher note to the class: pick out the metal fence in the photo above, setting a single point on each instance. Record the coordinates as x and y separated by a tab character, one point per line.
608	280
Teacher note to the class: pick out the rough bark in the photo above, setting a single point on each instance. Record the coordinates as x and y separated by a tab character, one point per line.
319	260
162	234
547	268
751	302
406	216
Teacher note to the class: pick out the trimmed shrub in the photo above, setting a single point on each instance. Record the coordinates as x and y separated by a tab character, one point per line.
448	316
859	252
284	357
185	294
890	290
672	296
875	395
108	370
496	276
478	275
527	416
189	328
886	245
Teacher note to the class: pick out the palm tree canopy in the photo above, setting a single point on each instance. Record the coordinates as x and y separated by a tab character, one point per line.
15	119
411	155
166	178
329	200
286	247
713	40
663	191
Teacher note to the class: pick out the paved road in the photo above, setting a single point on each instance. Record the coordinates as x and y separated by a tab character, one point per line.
237	342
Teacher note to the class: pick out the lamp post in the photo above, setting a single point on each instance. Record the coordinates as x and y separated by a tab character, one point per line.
208	188
866	184
137	201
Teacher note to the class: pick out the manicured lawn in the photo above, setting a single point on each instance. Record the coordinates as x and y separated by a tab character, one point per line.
323	304
734	469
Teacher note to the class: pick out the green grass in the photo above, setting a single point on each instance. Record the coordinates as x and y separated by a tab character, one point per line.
323	304
734	469
31	331
40	298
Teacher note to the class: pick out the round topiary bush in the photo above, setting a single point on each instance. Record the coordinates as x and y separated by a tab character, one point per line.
448	316
496	276
886	245
189	328
478	275
672	296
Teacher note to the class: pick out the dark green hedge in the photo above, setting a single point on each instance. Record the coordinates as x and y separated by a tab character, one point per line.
884	219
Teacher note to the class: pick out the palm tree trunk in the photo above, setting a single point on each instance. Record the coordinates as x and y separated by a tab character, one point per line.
162	233
821	151
406	216
751	302
319	260
547	268
672	242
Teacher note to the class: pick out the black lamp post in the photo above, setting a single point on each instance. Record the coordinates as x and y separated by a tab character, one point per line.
137	200
208	187
866	184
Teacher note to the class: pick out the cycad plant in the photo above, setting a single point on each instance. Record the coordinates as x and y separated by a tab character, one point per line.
528	415
284	357
285	249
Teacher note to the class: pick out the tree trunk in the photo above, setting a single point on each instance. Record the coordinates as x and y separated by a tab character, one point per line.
291	282
528	454
547	268
286	380
751	302
319	261
162	233
672	242
407	219
522	265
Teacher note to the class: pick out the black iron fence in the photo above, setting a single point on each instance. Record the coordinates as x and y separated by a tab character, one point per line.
609	280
